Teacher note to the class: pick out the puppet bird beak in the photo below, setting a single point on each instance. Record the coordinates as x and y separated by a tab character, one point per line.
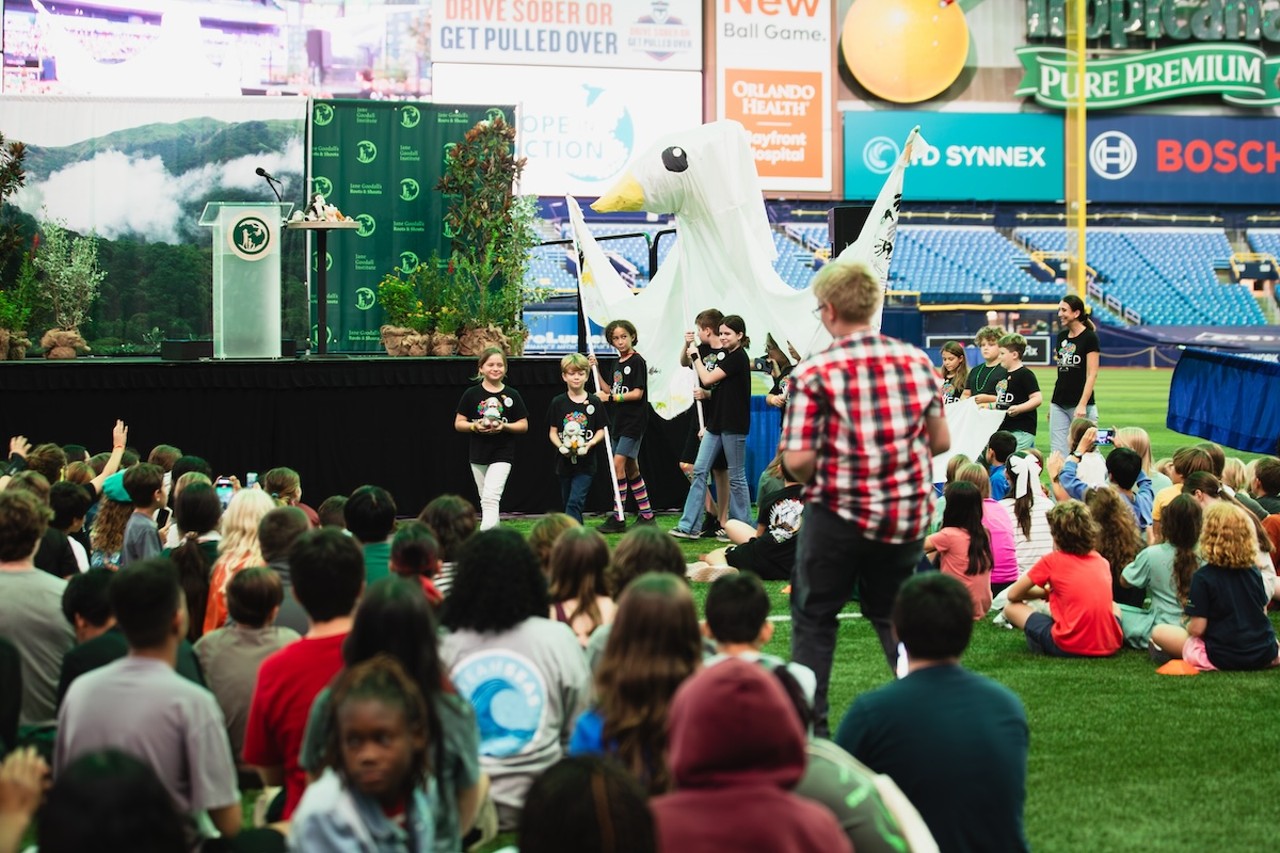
626	194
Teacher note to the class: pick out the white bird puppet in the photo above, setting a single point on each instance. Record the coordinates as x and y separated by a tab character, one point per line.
723	258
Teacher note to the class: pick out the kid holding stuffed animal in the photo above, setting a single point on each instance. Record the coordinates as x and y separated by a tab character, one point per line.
629	394
493	413
577	426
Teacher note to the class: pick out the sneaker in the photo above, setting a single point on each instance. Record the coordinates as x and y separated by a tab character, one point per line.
644	520
612	524
710	524
721	535
707	573
682	534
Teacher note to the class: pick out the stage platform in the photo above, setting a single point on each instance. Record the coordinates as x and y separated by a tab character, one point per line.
341	423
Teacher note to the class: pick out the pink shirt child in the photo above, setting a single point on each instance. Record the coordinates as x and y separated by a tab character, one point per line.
1004	548
952	545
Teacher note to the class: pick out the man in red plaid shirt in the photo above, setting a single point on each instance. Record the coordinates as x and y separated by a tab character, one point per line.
864	420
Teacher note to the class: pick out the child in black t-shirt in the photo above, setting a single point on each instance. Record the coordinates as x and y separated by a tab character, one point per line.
493	413
577	426
630	415
955	371
1018	393
769	549
982	380
709	349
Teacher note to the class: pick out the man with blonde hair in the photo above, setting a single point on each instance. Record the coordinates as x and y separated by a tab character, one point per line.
864	421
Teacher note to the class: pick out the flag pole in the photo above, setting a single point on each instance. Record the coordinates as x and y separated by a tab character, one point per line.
702	423
595	374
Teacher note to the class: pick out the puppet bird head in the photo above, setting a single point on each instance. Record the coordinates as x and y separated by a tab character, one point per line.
694	173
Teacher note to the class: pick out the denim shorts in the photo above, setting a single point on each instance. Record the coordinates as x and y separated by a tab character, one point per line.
627	446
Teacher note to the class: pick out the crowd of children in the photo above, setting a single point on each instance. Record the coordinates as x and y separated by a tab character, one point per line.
424	684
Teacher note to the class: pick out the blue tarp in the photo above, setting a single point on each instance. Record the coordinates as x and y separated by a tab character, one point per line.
1230	398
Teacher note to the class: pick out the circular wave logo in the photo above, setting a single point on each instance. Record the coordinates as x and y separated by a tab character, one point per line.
879	154
410	116
409	189
1112	155
328	261
322	114
366	151
408	261
365	298
367	225
322	185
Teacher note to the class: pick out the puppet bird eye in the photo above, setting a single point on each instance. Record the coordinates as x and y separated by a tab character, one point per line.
675	160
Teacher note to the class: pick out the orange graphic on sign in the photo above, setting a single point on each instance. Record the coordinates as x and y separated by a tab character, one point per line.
782	112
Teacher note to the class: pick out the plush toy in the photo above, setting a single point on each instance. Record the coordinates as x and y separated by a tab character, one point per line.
63	343
492	412
573	440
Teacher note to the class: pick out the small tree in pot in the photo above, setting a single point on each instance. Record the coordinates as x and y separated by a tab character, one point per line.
68	266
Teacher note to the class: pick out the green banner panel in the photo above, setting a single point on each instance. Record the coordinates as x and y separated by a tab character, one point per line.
379	162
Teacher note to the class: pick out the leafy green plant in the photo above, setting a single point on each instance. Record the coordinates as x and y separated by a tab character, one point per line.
72	277
17	303
428	298
492	229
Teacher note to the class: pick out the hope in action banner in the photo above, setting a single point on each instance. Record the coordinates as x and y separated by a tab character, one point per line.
379	162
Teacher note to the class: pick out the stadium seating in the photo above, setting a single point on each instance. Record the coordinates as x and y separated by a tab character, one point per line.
1165	275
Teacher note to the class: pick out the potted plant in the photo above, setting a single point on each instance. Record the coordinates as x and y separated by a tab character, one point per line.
421	307
492	231
71	277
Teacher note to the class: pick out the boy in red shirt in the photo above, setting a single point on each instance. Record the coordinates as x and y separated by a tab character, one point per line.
1077	582
328	576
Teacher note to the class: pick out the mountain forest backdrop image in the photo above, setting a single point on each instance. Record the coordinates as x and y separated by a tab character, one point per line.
141	185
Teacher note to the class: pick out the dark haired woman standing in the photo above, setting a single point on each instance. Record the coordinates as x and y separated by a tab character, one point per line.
1077	356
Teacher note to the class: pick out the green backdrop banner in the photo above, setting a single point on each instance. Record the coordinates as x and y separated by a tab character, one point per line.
379	162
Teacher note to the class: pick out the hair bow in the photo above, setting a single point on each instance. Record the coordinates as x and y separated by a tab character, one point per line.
1026	469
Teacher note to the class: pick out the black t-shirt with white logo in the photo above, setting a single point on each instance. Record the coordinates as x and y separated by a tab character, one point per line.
983	379
733	395
630	416
1014	390
586	419
1072	370
710	357
499	446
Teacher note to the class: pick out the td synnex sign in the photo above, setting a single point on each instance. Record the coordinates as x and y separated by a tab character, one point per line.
1009	157
1183	159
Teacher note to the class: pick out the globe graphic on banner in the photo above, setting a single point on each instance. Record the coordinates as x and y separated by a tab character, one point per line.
608	134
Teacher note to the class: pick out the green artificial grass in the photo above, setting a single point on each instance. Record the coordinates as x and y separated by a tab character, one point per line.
1121	758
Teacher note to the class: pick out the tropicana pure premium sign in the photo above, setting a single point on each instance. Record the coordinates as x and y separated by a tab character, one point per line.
1203	47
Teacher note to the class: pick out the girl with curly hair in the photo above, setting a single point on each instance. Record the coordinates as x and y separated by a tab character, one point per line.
524	674
1227	626
1118	540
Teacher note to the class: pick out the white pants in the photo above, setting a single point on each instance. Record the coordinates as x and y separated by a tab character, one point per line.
490	481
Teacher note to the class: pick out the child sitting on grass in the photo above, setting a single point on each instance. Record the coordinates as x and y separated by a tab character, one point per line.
372	794
1077	582
737	611
963	546
1228	626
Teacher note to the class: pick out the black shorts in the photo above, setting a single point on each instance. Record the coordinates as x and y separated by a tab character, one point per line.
690	453
747	557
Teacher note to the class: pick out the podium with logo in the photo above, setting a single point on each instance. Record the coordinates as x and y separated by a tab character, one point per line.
246	276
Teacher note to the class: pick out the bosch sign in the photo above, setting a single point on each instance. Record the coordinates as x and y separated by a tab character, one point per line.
1224	156
1200	159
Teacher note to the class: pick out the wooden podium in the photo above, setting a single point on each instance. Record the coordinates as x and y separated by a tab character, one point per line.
322	229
